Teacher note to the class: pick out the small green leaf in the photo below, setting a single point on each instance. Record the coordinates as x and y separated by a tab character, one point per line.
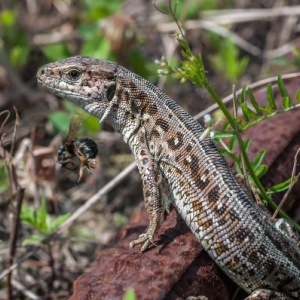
270	96
246	144
32	240
261	170
243	95
283	186
230	155
56	222
286	102
248	112
258	159
232	142
240	122
41	217
282	89
27	215
238	168
267	109
254	102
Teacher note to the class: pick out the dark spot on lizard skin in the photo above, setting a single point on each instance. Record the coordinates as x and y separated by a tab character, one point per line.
221	222
213	194
234	215
141	95
178	157
270	265
205	224
133	106
142	139
152	109
197	205
154	134
194	165
221	248
132	85
251	272
188	148
177	142
163	124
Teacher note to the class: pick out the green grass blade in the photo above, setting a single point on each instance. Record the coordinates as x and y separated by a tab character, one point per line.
270	96
243	95
283	186
254	102
258	159
261	170
286	99
246	144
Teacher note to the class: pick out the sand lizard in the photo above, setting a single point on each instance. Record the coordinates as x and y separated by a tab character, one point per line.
173	161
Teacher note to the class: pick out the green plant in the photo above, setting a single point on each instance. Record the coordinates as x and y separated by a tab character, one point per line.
41	221
191	68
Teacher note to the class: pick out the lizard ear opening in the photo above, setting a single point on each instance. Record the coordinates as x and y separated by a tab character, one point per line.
110	92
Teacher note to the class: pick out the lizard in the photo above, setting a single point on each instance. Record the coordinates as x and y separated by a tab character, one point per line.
177	166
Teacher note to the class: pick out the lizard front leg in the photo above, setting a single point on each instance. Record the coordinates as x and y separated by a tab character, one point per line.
151	179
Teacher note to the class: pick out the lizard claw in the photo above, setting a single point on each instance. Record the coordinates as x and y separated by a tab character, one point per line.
144	239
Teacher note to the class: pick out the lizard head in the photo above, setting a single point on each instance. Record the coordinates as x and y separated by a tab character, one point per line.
89	83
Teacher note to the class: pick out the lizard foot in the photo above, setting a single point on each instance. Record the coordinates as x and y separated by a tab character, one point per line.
145	239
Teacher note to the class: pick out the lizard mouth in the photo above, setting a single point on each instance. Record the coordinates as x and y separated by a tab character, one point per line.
51	85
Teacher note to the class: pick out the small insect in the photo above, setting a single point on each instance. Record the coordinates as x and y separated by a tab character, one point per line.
84	149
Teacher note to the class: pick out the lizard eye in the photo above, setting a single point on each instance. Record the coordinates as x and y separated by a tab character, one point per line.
74	74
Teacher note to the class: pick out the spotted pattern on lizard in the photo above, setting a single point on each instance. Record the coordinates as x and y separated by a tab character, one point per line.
177	166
